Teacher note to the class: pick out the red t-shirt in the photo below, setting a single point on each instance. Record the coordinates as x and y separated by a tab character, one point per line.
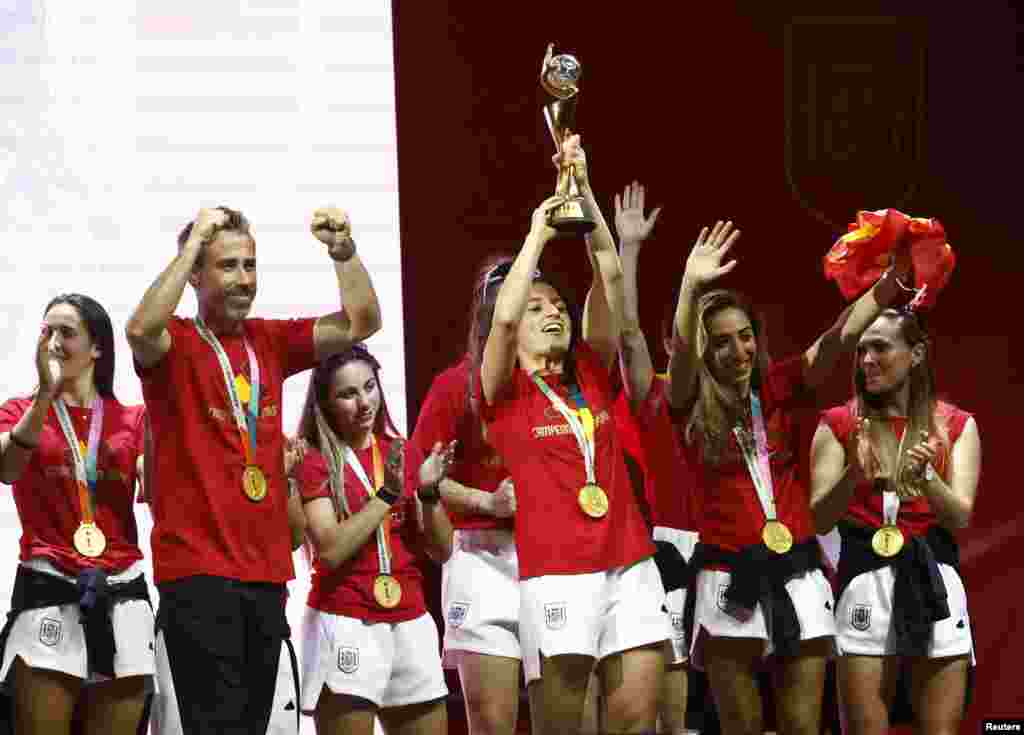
670	487
348	589
46	494
202	521
553	535
915	515
444	417
731	513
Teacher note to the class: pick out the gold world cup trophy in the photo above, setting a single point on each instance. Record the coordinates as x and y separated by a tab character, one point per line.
560	76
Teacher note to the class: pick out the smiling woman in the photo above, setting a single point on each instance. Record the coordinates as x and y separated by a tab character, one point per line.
371	649
759	586
71	452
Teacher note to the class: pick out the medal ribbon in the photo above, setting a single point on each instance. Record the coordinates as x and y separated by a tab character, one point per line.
582	425
756	455
85	467
245	420
337	454
384	529
890	498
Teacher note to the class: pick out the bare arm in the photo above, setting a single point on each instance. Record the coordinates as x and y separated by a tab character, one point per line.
18	444
499	358
633	229
833	481
953	502
338	541
146	330
821	357
464	499
703	267
434	522
359	316
602	318
296	516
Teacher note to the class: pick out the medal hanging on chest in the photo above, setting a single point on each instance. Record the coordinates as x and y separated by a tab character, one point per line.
774	534
88	539
244	397
592	499
888	540
387	591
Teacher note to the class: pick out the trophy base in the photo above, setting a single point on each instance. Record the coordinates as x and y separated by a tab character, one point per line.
571	218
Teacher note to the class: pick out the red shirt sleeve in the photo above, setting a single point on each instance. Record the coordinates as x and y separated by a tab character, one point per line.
292	340
438	421
312	477
11	413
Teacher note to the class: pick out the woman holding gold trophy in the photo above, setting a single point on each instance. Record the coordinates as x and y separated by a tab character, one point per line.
897	470
370	647
590	591
759	586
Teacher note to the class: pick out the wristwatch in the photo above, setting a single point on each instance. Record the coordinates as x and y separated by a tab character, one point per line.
429	493
929	472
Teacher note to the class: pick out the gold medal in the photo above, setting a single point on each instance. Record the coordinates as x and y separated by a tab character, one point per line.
242	389
777	537
593	501
254	483
89	540
887	541
387	591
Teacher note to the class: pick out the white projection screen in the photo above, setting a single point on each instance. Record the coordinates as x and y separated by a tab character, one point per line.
119	119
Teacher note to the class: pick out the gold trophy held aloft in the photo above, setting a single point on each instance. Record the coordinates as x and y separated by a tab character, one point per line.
559	76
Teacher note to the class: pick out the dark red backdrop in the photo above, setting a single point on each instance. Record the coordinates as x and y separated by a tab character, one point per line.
917	110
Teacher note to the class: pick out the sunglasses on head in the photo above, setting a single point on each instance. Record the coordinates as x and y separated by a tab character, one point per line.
500	272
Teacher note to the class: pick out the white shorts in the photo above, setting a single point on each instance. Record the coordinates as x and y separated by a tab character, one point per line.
865	609
480	596
165	718
53	638
675	601
388	664
811	595
596	614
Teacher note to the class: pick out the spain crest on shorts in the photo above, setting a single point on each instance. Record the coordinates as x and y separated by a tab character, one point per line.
555	615
457	612
50	632
348	660
854	112
860	617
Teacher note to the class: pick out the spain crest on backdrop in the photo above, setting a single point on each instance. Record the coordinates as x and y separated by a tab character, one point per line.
854	107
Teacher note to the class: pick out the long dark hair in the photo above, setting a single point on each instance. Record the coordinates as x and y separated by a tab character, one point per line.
318	394
715	411
101	332
491	273
922	402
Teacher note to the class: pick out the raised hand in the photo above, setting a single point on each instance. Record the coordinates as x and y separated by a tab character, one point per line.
394	466
704	263
572	154
207	223
332	227
539	227
436	465
48	368
864	461
630	223
503	500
